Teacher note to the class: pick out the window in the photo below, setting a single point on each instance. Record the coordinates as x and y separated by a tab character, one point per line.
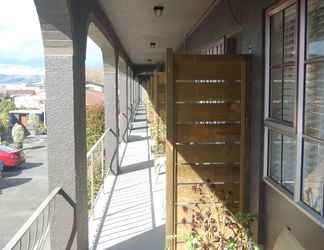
282	95
282	67
294	148
313	150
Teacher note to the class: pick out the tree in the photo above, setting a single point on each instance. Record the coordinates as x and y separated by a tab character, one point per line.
18	135
5	107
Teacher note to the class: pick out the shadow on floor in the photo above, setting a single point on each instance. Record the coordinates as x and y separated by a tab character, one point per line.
11	172
145	241
137	128
134	138
137	166
8	183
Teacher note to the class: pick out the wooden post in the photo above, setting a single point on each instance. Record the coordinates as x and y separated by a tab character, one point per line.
170	152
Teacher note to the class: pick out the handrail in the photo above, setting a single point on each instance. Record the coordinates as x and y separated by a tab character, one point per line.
99	140
96	167
26	229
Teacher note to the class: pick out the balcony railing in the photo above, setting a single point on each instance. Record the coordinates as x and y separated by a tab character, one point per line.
34	233
97	168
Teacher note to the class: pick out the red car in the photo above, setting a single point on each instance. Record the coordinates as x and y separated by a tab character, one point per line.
11	157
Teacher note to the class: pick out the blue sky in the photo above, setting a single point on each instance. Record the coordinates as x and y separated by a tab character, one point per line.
21	49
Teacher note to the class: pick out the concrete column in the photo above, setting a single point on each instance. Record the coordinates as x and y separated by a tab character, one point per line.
131	95
111	107
122	84
64	48
126	102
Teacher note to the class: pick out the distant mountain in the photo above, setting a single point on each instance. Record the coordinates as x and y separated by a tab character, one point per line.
20	79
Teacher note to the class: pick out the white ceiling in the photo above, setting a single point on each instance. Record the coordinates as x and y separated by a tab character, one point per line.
136	25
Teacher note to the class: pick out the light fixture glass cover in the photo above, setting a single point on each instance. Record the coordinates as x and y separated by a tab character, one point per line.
158	10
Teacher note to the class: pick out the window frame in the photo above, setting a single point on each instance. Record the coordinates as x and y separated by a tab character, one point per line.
297	131
290	127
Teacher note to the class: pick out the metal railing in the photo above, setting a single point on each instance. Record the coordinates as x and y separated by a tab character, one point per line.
34	233
97	168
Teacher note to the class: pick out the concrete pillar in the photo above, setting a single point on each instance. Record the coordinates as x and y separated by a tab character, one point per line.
110	57
122	98
126	102
64	46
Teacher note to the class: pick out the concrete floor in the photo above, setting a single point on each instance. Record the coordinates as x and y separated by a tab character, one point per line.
133	217
23	189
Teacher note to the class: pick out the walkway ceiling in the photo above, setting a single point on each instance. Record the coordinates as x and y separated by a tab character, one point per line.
137	26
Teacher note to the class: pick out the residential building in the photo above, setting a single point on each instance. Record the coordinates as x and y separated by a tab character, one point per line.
264	136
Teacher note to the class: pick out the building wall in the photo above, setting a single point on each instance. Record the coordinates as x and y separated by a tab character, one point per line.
247	26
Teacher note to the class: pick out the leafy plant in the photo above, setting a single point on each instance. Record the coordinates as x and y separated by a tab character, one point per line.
18	134
214	226
41	129
33	121
5	107
95	126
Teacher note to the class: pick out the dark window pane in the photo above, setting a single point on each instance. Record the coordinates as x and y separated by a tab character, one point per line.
289	150
275	147
315	28
290	30
276	40
289	94
314	100
276	94
313	175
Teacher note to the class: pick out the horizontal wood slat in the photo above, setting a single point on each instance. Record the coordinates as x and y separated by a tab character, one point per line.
185	212
187	195
187	113
209	173
191	92
207	68
210	153
207	133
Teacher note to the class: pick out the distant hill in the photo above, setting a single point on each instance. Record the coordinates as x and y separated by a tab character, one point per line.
20	79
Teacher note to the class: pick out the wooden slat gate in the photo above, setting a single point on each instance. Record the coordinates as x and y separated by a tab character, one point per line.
206	135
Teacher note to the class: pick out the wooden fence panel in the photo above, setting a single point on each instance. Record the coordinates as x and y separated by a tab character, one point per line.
206	135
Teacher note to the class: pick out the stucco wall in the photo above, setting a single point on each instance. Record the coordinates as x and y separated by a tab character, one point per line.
248	28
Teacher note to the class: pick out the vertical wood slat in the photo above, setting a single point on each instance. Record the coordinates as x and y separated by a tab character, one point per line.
170	143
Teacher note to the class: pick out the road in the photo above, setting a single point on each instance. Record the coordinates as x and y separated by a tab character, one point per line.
23	189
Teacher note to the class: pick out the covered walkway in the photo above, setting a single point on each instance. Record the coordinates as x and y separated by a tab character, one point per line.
134	214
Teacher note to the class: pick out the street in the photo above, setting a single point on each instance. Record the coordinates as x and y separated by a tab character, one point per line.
23	189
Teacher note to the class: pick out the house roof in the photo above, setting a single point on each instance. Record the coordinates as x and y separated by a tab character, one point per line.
94	98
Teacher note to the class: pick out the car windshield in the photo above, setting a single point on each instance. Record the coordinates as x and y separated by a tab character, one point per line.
7	149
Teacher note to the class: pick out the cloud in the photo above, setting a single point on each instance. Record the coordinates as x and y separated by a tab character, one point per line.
94	55
21	41
21	46
8	69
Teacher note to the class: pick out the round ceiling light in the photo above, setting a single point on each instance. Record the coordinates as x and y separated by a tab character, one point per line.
158	10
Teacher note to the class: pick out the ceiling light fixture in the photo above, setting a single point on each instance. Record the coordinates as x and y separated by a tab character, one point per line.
158	10
152	45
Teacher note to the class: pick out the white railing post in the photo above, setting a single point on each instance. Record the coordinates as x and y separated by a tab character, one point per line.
92	181
102	160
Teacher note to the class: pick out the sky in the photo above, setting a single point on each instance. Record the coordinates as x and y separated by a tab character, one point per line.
21	48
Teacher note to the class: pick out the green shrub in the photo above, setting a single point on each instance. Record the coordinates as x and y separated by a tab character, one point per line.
95	124
5	107
33	121
18	134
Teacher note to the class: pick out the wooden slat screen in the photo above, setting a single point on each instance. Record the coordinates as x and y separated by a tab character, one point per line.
206	135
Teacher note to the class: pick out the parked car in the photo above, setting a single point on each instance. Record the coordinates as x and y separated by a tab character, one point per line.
11	157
